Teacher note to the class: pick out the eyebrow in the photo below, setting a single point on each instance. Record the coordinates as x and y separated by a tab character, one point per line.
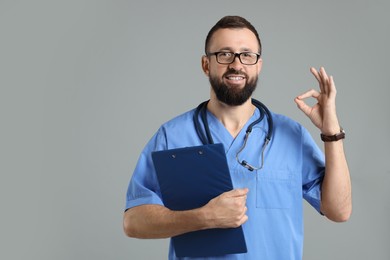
231	50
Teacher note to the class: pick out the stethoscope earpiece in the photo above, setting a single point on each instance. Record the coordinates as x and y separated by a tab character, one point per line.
246	165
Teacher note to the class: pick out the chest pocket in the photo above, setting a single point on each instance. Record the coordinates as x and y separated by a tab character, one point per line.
274	189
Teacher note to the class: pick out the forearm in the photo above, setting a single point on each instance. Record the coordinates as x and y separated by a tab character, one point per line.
336	201
227	210
155	221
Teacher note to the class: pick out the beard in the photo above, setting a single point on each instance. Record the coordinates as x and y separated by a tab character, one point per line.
230	95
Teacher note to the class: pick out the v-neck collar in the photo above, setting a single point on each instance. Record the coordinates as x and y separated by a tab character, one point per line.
221	135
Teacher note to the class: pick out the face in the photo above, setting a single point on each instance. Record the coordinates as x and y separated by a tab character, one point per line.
234	83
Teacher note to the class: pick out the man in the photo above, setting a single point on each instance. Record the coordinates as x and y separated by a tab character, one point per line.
267	201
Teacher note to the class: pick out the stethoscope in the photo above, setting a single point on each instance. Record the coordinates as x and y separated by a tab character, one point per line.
206	137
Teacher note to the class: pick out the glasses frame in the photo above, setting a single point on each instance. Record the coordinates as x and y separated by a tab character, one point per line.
235	55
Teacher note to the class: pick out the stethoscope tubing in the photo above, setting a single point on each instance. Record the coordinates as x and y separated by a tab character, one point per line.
206	137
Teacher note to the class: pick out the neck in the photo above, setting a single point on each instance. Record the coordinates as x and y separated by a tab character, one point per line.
232	117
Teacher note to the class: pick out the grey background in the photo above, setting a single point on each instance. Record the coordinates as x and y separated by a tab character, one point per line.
84	85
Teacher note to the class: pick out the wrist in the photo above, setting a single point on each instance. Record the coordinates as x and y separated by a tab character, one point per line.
335	137
204	217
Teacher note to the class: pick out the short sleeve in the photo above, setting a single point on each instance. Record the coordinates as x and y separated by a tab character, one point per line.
143	187
313	170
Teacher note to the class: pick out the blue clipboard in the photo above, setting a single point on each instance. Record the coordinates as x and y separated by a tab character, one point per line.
189	178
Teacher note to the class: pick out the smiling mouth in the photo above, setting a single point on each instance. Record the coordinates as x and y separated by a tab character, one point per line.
235	77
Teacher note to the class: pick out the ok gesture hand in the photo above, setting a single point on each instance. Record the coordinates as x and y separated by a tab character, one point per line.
323	113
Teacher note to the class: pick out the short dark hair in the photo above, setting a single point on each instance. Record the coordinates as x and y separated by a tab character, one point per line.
231	22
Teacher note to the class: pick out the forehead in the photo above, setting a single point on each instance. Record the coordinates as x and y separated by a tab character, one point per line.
234	39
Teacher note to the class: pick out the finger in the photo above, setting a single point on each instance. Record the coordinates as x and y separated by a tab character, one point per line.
243	212
238	192
244	216
325	80
244	219
301	103
315	73
332	88
310	93
303	106
318	76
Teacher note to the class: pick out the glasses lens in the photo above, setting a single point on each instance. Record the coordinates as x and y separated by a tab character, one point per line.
248	58
225	57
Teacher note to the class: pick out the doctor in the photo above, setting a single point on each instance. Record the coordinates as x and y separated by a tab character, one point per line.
266	202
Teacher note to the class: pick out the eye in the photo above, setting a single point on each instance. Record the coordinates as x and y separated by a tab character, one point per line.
225	54
248	54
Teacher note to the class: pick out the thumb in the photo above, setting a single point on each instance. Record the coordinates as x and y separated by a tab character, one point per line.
238	192
302	106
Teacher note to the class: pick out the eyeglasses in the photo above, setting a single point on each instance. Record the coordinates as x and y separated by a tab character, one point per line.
246	58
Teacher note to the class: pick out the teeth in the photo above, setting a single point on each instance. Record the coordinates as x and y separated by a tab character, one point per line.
235	78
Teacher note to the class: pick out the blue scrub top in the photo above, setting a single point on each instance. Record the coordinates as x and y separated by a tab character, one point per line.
293	169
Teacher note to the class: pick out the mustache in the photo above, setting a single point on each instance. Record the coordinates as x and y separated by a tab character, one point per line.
235	72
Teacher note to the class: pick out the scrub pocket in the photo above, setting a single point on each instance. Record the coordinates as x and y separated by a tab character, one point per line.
274	189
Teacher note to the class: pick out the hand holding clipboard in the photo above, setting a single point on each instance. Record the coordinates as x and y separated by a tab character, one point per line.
228	209
192	177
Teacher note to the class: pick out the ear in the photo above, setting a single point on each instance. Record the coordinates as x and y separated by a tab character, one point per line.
259	65
205	65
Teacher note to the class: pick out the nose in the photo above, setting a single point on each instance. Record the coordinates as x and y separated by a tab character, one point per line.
236	63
